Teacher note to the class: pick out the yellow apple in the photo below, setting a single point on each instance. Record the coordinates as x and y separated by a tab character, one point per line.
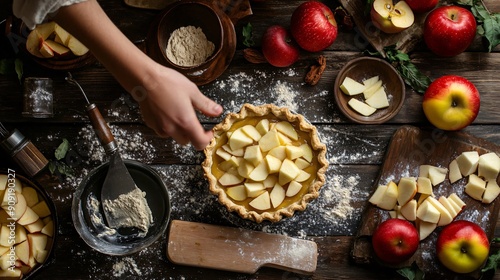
462	246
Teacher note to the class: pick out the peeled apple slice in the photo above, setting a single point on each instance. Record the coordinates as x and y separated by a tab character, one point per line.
351	87
361	107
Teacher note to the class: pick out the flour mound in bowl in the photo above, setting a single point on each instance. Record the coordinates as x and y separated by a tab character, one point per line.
188	46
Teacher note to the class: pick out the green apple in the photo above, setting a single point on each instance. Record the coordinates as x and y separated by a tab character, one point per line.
462	246
451	102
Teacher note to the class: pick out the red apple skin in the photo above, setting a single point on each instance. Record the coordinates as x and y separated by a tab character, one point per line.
449	30
278	47
462	246
395	241
422	6
313	26
451	102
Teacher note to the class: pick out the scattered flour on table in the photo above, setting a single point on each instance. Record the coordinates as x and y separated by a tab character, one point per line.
126	266
260	87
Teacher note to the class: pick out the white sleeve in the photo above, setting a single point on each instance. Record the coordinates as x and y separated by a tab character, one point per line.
34	12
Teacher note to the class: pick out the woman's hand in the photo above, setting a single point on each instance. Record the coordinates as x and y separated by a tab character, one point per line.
168	101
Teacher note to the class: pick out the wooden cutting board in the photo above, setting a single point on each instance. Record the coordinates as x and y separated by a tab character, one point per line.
239	250
409	148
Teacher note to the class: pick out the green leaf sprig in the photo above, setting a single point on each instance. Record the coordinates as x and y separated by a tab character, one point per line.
408	71
10	66
493	260
247	35
411	273
58	165
488	23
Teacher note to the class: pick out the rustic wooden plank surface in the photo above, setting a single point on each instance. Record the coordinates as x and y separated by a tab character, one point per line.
355	152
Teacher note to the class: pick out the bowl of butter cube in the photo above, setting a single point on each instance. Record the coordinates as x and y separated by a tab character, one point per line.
369	90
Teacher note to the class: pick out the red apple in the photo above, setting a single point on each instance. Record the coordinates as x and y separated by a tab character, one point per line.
449	30
451	102
422	6
278	47
313	26
462	246
395	241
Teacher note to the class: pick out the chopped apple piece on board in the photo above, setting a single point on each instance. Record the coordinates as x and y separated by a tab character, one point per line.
378	100
425	228
437	175
446	203
390	197
378	195
491	192
489	166
424	185
445	215
407	188
351	87
458	201
455	173
361	107
262	202
475	187
468	162
427	212
409	210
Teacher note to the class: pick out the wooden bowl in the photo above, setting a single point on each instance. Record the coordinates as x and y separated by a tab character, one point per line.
361	69
216	24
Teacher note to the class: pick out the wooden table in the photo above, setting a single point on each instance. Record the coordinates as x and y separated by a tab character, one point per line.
355	152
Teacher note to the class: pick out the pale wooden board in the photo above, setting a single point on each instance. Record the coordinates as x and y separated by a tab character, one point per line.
409	148
239	250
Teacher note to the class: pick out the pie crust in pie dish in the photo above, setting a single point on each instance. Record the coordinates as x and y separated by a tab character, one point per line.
265	162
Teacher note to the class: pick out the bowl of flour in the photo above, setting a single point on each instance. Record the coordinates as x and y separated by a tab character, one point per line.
88	215
196	37
190	34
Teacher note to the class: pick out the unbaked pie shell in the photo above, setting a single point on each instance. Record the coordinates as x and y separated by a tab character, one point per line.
281	113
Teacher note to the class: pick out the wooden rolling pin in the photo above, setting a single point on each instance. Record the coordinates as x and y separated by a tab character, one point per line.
238	250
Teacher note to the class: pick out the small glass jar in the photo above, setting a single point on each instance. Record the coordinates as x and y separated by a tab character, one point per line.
38	98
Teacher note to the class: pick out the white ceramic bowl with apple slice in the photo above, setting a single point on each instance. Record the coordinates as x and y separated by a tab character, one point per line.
369	90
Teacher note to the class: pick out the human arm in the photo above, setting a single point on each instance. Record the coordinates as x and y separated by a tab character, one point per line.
167	99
